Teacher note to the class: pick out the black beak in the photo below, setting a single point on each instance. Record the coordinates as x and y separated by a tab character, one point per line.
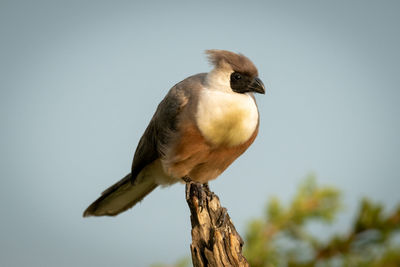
257	86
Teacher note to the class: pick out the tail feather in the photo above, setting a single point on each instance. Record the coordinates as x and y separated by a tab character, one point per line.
120	197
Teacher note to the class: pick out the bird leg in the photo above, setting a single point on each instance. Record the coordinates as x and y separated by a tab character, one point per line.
206	187
188	183
196	189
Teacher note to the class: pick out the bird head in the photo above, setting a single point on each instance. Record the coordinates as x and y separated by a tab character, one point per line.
233	73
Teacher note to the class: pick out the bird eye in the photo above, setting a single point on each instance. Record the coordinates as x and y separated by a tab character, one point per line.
237	76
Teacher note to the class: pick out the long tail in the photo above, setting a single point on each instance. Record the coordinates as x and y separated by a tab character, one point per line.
120	197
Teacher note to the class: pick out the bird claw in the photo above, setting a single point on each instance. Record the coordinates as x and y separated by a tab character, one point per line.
197	190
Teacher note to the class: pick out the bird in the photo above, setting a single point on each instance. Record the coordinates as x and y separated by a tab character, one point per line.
202	125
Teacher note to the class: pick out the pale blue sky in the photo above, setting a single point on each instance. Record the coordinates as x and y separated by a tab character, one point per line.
81	79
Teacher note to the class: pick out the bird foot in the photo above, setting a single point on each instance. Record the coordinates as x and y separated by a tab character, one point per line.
197	190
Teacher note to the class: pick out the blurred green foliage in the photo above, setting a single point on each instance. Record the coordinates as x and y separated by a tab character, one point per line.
283	237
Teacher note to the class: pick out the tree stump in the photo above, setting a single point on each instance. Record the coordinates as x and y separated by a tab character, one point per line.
215	241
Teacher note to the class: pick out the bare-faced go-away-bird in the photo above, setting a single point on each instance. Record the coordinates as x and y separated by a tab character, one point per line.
201	126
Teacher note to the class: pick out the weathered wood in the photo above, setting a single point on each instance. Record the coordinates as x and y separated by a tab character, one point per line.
215	241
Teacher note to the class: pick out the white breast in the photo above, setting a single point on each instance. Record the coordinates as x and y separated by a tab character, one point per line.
226	118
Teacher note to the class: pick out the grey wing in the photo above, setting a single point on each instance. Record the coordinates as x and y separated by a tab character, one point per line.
161	127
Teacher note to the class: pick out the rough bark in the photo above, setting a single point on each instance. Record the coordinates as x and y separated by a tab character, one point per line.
215	241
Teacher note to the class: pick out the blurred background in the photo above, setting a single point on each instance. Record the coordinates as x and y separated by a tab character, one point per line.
80	80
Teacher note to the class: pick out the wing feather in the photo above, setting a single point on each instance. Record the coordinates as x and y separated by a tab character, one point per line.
164	124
